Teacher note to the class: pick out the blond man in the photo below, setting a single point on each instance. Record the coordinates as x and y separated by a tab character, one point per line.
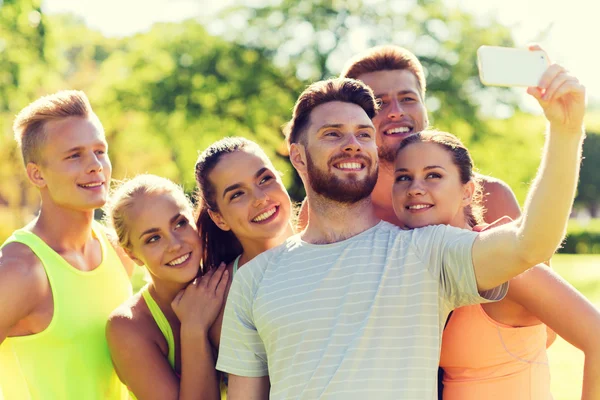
59	276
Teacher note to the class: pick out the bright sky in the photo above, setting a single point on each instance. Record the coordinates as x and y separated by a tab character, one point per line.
572	25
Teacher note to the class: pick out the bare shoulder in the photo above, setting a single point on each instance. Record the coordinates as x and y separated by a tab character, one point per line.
498	199
494	186
23	285
21	268
129	323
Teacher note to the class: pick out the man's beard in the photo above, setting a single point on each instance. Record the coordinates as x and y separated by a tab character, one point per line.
333	188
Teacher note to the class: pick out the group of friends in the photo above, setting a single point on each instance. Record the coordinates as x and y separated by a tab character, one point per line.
404	275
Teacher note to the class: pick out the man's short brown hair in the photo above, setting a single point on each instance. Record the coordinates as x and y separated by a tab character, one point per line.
385	58
338	89
29	123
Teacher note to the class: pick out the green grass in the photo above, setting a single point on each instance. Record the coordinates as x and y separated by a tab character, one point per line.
566	362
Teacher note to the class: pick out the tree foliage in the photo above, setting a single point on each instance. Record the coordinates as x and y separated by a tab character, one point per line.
314	39
166	94
24	70
588	190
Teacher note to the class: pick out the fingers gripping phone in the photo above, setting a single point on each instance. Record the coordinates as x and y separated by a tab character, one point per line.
507	66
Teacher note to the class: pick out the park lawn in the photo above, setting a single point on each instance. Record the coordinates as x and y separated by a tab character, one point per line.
566	362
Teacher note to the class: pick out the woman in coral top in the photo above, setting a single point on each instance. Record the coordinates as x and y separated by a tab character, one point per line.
495	350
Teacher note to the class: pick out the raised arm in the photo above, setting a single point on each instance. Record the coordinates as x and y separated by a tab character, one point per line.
561	307
502	253
23	284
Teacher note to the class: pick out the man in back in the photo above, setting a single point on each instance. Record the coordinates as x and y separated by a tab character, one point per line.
59	276
397	79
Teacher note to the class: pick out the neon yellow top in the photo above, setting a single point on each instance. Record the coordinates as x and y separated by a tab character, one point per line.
70	358
162	323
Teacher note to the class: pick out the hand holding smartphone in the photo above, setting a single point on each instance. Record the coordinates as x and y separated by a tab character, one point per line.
507	66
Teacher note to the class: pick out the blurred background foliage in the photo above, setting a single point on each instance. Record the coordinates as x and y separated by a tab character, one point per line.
166	94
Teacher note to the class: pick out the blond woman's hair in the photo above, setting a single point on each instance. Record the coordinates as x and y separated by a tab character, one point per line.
125	195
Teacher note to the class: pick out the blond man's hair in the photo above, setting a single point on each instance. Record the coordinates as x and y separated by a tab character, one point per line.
385	58
30	122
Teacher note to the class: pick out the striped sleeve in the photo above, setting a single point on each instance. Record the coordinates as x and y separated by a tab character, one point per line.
448	253
242	351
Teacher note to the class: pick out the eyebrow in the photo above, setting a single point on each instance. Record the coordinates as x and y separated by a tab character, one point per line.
426	168
74	149
79	148
402	92
239	185
338	126
154	230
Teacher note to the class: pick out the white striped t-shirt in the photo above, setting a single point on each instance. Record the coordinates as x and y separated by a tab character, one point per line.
357	319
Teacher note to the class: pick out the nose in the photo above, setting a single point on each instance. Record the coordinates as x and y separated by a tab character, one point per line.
260	196
95	165
395	110
416	188
352	144
175	243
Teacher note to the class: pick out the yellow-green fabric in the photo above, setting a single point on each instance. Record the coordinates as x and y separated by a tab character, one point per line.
162	323
70	358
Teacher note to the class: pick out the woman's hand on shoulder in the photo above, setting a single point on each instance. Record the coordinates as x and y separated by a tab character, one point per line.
198	305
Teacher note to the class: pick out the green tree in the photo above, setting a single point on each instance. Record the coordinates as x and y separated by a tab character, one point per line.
315	38
25	72
588	190
169	93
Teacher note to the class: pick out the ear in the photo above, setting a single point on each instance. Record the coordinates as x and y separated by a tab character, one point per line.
35	175
468	190
298	157
219	220
134	258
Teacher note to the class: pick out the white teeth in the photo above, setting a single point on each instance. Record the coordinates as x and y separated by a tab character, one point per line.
179	260
92	185
402	129
265	215
418	206
349	165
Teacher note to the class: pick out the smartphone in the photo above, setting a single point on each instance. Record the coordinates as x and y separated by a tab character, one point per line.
507	66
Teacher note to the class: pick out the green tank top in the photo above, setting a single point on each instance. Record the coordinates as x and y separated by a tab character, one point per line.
69	360
164	326
162	322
